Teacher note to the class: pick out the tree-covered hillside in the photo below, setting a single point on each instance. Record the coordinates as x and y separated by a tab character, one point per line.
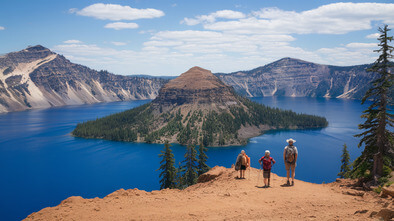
216	128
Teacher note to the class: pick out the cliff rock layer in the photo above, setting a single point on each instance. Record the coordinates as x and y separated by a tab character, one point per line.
37	78
297	78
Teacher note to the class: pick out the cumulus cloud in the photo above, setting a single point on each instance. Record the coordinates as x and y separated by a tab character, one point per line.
1	28
373	36
116	12
72	42
226	14
229	41
362	45
121	25
337	18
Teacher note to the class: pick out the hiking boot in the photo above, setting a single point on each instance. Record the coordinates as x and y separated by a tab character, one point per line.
288	183
292	183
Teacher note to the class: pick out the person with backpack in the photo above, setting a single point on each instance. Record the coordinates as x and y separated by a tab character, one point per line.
267	161
241	163
290	155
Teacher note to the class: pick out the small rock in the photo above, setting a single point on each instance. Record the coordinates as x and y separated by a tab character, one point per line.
361	211
373	214
386	214
387	191
354	193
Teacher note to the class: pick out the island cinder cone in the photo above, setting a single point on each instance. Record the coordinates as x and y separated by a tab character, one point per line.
194	106
197	86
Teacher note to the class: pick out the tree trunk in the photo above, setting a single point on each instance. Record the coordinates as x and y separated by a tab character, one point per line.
377	170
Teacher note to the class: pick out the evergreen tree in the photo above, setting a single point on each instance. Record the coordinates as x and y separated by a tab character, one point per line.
190	175
180	183
345	167
202	159
377	138
168	171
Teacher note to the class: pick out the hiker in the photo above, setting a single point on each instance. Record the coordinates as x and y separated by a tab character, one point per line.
290	155
241	164
267	161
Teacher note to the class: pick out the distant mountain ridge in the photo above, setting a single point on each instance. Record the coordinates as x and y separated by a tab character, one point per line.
298	78
38	78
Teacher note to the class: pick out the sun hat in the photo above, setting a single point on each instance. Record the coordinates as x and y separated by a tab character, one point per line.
288	140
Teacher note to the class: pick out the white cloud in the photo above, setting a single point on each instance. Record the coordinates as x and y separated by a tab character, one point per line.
337	18
72	42
373	36
118	43
117	12
362	45
1	28
121	25
228	41
226	14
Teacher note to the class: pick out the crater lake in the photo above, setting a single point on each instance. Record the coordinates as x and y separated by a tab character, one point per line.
41	164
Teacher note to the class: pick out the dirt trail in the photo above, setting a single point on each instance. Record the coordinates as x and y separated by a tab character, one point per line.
225	198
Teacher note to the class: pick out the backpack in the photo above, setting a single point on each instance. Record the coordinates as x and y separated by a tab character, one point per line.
290	154
238	163
267	163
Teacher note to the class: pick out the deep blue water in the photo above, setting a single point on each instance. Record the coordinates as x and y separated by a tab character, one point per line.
41	164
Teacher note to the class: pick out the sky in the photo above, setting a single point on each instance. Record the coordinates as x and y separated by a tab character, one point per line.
168	37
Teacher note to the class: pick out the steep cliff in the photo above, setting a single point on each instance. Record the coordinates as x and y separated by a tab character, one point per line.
194	106
38	78
297	78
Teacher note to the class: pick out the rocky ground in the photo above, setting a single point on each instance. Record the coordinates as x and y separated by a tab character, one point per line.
221	196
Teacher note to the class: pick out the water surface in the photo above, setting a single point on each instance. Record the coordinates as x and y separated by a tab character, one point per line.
41	164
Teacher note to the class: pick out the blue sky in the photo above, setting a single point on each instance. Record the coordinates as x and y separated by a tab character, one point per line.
167	37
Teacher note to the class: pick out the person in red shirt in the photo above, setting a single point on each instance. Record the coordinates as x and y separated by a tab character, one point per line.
267	161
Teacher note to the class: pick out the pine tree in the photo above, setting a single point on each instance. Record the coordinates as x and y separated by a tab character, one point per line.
168	171
202	159
345	167
180	183
377	138
190	175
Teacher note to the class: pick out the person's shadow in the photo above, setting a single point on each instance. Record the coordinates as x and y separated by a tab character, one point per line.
285	185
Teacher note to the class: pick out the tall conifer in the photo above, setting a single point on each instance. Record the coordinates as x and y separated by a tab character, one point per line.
202	159
168	170
190	175
377	138
345	167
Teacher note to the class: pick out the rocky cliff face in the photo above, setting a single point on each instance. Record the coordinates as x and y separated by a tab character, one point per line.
195	87
38	78
297	78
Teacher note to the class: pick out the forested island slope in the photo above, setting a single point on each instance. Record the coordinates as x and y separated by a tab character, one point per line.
194	106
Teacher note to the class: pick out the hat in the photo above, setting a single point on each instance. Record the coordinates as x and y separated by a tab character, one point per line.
288	140
242	151
267	152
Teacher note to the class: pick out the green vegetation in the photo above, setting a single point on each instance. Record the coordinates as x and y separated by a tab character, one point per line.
213	127
188	170
168	170
376	161
202	167
190	175
345	167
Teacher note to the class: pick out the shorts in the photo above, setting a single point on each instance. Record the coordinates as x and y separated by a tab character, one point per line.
267	174
243	167
291	166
